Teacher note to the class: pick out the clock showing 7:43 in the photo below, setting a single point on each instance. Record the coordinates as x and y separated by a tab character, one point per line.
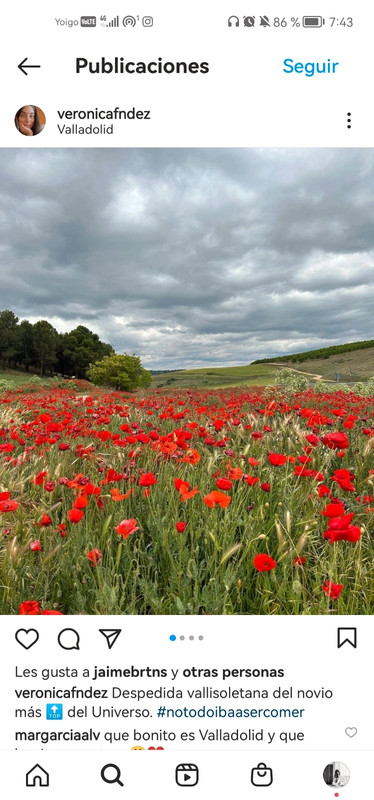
344	22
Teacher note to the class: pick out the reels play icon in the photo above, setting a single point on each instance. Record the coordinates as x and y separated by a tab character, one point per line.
187	775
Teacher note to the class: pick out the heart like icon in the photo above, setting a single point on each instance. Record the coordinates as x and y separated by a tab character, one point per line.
351	732
27	638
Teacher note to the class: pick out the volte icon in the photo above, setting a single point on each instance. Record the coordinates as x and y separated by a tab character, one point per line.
111	635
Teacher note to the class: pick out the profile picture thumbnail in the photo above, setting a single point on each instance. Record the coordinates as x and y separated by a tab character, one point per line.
30	120
336	774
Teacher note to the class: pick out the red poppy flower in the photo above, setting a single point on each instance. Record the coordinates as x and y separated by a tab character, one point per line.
147	479
34	546
191	457
312	439
336	440
350	534
217	498
127	527
344	478
332	590
299	561
49	486
235	473
251	480
39	478
45	521
188	494
224	484
81	502
340	529
117	496
265	487
277	459
29	607
180	526
63	446
264	563
95	556
75	515
181	485
343	474
4	496
333	510
8	505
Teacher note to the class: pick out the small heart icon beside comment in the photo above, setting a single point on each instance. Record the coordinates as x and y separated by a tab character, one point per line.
27	638
351	732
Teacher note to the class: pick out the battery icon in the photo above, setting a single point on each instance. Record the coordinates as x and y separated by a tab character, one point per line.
88	22
313	22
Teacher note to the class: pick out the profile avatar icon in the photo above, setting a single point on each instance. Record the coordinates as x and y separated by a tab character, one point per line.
336	774
30	120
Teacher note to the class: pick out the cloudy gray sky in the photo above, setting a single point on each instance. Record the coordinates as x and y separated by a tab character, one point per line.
191	257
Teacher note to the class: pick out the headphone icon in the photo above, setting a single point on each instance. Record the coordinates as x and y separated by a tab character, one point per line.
230	23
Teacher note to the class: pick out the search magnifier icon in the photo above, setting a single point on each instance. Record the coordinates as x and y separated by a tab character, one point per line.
111	774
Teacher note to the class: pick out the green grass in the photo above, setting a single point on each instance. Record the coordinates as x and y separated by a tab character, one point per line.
216	377
19	378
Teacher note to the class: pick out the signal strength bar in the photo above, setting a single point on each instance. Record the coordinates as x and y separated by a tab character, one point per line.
114	23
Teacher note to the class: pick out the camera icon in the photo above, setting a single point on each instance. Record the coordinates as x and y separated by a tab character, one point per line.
147	22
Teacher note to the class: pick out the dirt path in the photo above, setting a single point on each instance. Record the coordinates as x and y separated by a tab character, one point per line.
292	369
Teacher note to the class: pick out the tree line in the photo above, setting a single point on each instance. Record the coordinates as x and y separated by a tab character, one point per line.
39	347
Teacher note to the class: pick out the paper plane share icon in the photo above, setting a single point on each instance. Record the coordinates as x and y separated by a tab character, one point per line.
111	635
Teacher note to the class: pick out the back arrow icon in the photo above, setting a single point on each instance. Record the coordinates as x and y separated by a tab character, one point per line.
23	66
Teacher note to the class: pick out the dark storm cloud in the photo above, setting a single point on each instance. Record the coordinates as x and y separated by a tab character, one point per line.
191	257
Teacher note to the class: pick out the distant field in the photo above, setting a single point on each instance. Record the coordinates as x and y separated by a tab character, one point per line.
355	366
216	378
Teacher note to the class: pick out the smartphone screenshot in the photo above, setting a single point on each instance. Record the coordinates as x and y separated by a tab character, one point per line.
186	399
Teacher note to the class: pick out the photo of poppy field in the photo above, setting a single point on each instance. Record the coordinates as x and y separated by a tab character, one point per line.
252	500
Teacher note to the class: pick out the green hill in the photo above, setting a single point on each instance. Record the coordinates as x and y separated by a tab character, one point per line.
321	353
216	377
353	362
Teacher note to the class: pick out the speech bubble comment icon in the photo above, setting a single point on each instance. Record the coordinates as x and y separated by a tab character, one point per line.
68	639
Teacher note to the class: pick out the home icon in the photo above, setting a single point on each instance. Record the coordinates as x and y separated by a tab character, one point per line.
37	776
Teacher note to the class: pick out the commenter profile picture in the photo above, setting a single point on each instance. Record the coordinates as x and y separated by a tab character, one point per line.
30	120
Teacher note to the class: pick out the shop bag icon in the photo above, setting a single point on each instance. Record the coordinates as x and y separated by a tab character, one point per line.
261	775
